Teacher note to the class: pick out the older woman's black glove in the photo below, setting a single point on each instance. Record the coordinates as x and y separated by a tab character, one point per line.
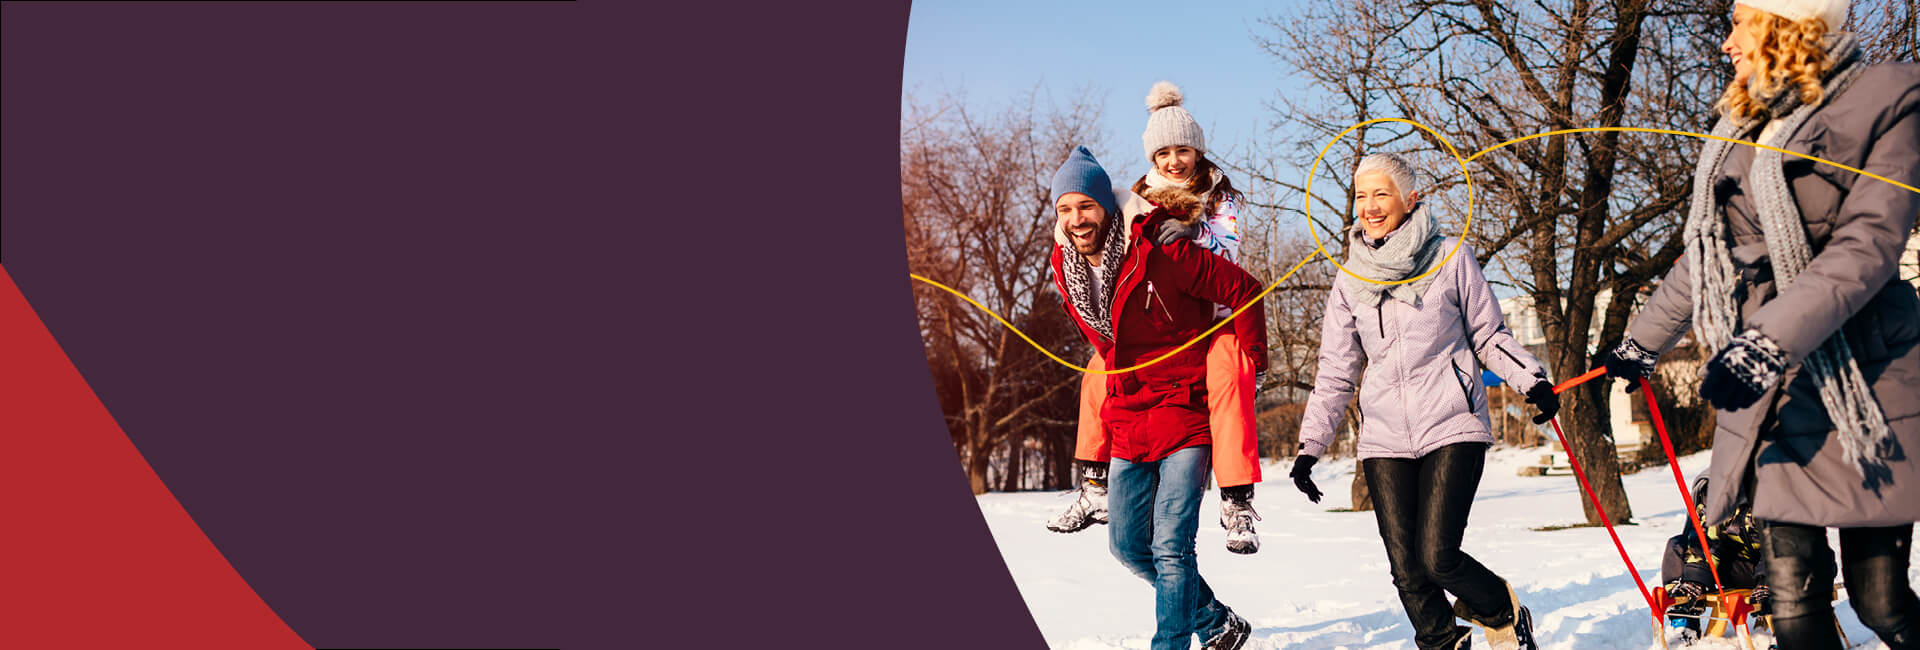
1542	397
1630	361
1302	474
1744	370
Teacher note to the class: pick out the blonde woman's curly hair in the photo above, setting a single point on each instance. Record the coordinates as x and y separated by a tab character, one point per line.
1792	55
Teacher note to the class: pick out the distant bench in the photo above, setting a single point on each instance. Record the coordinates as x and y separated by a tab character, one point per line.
1556	461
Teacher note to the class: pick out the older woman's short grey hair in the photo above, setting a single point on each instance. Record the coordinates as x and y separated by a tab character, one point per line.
1395	167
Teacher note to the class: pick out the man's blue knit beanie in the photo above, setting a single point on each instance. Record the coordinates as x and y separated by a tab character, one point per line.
1081	173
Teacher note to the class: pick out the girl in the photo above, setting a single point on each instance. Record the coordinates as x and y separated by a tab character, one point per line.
1787	278
1424	428
1183	180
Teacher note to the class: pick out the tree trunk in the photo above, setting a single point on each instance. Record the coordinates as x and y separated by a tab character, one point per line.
1362	498
1016	462
979	456
1583	416
1059	464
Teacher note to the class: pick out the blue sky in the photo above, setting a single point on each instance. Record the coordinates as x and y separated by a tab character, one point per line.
997	50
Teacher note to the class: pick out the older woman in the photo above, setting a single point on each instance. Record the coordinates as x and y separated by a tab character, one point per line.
1424	428
1788	279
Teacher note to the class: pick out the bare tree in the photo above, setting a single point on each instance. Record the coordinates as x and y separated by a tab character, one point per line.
1889	29
974	193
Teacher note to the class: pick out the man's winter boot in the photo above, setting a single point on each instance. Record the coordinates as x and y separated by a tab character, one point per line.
1091	506
1232	636
1237	516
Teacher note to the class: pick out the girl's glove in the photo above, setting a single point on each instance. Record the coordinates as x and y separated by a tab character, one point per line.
1173	230
1745	369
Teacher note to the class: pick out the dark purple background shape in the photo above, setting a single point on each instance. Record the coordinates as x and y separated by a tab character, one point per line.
504	324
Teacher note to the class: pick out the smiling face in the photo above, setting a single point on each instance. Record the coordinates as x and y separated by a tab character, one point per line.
1378	205
1743	41
1082	218
1176	162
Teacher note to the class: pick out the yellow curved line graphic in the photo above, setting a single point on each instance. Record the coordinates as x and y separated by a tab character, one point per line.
1320	250
1050	355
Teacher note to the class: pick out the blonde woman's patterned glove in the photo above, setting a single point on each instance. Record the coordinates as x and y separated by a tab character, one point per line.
1741	373
1630	361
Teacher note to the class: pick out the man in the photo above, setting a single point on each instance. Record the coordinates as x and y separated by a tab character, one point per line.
1137	300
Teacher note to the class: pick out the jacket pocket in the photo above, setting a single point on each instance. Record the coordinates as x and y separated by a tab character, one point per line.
1459	378
1886	327
1511	356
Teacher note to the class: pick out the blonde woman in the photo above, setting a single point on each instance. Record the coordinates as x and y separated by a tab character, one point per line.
1788	279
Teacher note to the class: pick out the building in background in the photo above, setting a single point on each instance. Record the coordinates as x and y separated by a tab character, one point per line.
1630	425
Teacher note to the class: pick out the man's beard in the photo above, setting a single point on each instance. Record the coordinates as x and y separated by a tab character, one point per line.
1093	246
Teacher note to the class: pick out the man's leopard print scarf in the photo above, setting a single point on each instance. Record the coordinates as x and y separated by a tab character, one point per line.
1096	310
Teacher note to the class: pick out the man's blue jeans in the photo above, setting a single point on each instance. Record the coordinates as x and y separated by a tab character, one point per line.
1153	512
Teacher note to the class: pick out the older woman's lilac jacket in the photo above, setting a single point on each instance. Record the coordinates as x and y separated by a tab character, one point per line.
1420	388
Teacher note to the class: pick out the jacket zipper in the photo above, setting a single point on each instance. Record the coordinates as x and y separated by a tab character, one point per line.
1380	315
1127	272
1163	302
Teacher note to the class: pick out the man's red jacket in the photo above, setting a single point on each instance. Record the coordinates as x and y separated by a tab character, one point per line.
1164	297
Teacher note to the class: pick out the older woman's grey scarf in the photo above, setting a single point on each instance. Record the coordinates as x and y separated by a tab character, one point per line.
1096	308
1409	250
1865	438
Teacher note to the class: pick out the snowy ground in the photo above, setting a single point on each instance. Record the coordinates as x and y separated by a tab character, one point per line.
1320	579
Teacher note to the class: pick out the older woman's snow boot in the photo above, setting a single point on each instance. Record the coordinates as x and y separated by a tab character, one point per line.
1516	634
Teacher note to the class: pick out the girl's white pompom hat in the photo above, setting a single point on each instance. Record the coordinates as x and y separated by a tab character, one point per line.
1168	124
1834	12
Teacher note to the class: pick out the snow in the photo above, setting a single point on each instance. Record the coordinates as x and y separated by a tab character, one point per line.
1320	578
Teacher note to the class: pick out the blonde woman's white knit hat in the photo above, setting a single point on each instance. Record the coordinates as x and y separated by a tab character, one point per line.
1169	125
1834	12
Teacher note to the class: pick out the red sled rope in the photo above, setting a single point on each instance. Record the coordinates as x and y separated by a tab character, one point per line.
1659	425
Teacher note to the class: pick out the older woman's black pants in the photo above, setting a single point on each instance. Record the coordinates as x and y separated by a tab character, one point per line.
1800	571
1421	505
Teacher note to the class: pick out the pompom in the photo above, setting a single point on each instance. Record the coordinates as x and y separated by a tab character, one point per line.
1162	95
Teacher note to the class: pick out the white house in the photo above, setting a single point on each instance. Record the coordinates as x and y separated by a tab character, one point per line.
1628	434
